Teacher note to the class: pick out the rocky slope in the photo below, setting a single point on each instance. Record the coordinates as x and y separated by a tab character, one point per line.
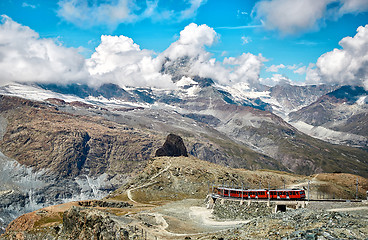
152	205
51	156
291	98
343	111
219	117
306	223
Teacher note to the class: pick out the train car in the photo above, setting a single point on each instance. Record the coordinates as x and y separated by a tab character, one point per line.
289	194
278	194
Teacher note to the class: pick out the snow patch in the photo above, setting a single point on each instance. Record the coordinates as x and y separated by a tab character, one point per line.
328	134
186	81
34	93
362	100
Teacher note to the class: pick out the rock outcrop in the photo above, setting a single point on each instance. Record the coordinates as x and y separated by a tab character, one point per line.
81	223
173	147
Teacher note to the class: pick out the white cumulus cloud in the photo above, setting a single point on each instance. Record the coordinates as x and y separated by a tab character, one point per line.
348	65
191	11
25	4
245	40
353	6
121	61
25	57
297	16
85	13
275	68
245	68
111	13
301	70
276	79
192	42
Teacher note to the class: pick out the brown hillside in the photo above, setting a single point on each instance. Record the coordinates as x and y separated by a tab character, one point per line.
168	179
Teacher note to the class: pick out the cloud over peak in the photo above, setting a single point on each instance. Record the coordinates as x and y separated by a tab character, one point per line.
118	59
192	42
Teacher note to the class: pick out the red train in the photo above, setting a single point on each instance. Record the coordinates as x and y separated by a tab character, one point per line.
278	194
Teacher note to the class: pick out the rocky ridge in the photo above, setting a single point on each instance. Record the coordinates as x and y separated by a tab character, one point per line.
343	110
291	98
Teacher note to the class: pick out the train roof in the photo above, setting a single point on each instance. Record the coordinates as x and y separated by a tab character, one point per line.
238	189
261	189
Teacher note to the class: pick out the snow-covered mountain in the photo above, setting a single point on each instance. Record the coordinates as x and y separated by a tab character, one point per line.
340	116
321	111
207	102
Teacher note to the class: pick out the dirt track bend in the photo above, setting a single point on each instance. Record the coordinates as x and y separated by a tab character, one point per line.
129	191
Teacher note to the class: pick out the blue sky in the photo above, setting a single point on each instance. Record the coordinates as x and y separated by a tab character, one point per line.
289	42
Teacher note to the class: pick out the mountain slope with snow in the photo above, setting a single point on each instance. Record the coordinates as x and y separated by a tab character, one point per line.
344	112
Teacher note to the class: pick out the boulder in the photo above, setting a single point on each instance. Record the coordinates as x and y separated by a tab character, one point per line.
173	147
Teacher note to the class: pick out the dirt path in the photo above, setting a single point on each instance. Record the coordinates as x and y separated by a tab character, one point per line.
129	191
187	218
204	215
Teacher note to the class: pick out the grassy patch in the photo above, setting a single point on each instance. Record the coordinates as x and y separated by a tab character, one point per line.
49	220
